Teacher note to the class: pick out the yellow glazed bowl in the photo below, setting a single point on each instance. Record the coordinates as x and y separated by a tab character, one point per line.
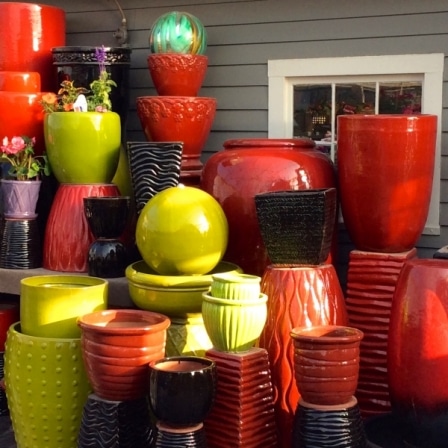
51	304
46	388
182	231
173	295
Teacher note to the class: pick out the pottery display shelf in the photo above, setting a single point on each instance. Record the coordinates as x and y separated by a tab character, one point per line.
118	287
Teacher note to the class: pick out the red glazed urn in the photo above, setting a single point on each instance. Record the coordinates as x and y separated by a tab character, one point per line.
252	166
417	359
28	32
186	119
177	73
385	168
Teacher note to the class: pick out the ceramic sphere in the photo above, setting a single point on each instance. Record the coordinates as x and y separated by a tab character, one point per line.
178	32
182	230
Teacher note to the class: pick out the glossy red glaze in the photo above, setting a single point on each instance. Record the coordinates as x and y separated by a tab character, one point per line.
176	73
252	166
9	314
371	280
243	413
298	297
108	337
28	32
25	82
326	363
22	114
186	119
385	166
417	358
67	235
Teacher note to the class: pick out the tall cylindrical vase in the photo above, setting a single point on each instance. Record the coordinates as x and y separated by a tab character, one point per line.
252	166
385	166
418	353
28	32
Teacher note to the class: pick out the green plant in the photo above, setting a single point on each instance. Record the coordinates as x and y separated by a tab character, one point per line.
79	99
24	165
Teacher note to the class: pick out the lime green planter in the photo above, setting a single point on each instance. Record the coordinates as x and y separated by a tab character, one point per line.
46	387
234	285
83	147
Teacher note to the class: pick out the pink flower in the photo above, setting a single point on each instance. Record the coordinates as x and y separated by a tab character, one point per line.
14	146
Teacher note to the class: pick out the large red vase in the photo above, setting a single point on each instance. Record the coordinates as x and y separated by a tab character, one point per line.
385	167
418	353
253	166
28	32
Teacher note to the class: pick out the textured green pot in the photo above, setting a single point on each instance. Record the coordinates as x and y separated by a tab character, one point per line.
83	147
236	286
234	325
46	389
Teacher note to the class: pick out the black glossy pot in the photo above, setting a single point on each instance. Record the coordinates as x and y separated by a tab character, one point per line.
182	389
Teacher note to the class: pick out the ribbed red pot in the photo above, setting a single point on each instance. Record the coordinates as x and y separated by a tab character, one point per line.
67	234
28	32
252	166
417	358
385	166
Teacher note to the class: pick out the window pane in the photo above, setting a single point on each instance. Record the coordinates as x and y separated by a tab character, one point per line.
400	98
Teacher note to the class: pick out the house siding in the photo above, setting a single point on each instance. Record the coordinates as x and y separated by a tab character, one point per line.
244	34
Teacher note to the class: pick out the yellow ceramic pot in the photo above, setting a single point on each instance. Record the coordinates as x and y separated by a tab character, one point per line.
46	389
51	304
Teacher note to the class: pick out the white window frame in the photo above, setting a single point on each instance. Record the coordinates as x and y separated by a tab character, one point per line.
428	68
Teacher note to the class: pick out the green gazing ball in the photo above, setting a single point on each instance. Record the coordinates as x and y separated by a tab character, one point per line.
178	32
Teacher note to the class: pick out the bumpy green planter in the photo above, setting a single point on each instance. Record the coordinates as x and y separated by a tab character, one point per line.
83	147
234	325
46	388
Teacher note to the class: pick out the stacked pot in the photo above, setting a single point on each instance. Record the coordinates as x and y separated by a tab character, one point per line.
177	65
235	312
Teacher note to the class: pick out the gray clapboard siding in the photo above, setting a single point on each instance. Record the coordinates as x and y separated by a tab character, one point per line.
244	34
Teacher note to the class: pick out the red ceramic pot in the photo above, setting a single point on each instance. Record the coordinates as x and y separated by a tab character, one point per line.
177	73
326	363
67	234
22	114
252	166
388	159
28	32
417	358
9	314
298	296
25	82
184	119
118	346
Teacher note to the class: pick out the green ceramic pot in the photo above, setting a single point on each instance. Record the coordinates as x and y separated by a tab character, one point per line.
234	325
51	304
83	147
46	388
173	295
236	286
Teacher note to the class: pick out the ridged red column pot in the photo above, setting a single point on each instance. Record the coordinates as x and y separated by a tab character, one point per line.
417	357
385	168
251	166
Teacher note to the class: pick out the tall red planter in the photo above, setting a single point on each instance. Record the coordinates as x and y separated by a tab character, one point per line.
418	353
385	168
251	166
28	32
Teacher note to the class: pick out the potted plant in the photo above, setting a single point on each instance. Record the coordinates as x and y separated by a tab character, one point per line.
20	188
82	134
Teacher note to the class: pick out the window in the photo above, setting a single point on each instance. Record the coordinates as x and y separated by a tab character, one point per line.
306	95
